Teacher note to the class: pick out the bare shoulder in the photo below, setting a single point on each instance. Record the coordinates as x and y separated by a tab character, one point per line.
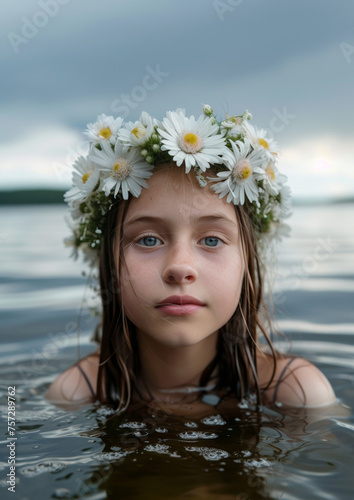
296	382
73	385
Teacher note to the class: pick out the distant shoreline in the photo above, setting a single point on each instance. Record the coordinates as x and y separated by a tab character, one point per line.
56	196
32	197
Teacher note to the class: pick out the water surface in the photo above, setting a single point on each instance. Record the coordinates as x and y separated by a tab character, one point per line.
150	453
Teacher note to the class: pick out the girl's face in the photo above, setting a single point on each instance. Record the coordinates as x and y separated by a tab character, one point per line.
183	268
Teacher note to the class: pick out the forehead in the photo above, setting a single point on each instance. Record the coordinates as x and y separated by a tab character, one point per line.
172	191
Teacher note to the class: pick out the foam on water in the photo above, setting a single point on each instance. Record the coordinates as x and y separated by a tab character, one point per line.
197	435
212	454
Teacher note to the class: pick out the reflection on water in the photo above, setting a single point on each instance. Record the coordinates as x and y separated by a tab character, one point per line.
151	452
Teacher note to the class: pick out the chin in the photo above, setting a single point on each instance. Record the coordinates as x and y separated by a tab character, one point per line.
182	339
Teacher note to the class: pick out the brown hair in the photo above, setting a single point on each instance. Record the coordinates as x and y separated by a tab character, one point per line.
238	339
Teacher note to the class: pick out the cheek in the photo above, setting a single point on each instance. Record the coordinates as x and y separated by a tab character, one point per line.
227	275
228	286
136	280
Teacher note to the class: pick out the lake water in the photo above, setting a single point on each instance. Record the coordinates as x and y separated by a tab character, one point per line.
150	454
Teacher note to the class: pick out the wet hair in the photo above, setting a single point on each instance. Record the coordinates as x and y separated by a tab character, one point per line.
238	341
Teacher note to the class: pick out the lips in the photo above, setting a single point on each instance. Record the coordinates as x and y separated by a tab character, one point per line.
180	300
180	305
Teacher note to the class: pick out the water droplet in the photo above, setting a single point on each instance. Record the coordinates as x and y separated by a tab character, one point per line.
61	493
212	454
257	463
158	448
213	420
113	455
133	425
190	435
191	424
41	468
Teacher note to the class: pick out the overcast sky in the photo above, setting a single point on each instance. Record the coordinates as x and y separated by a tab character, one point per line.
290	63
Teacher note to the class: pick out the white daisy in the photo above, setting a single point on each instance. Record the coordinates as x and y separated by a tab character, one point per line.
282	210
137	133
278	231
232	127
90	255
239	180
271	177
70	241
122	170
84	178
259	140
106	128
75	210
194	142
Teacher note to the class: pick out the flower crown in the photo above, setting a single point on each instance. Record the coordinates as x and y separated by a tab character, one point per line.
241	159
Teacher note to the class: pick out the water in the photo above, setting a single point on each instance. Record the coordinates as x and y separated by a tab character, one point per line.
150	453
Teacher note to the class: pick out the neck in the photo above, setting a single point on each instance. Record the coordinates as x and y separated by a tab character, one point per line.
171	372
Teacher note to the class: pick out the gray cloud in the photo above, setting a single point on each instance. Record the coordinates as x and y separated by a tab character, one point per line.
89	54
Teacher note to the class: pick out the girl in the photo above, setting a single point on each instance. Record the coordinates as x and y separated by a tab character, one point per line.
178	216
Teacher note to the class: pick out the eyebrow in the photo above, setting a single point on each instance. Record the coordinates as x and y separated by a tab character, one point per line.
156	219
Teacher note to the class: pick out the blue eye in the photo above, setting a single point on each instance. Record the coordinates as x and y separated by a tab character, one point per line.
211	241
149	241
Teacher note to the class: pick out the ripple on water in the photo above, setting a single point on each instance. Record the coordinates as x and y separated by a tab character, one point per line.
138	429
191	424
67	454
41	468
162	449
103	412
112	455
257	463
133	425
37	415
212	454
191	435
62	493
213	420
158	448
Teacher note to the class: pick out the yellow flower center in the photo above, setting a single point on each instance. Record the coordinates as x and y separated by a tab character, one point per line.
189	142
264	143
190	138
121	169
270	172
139	132
236	120
85	177
241	171
105	132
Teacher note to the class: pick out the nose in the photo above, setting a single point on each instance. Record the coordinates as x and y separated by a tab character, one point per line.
180	267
